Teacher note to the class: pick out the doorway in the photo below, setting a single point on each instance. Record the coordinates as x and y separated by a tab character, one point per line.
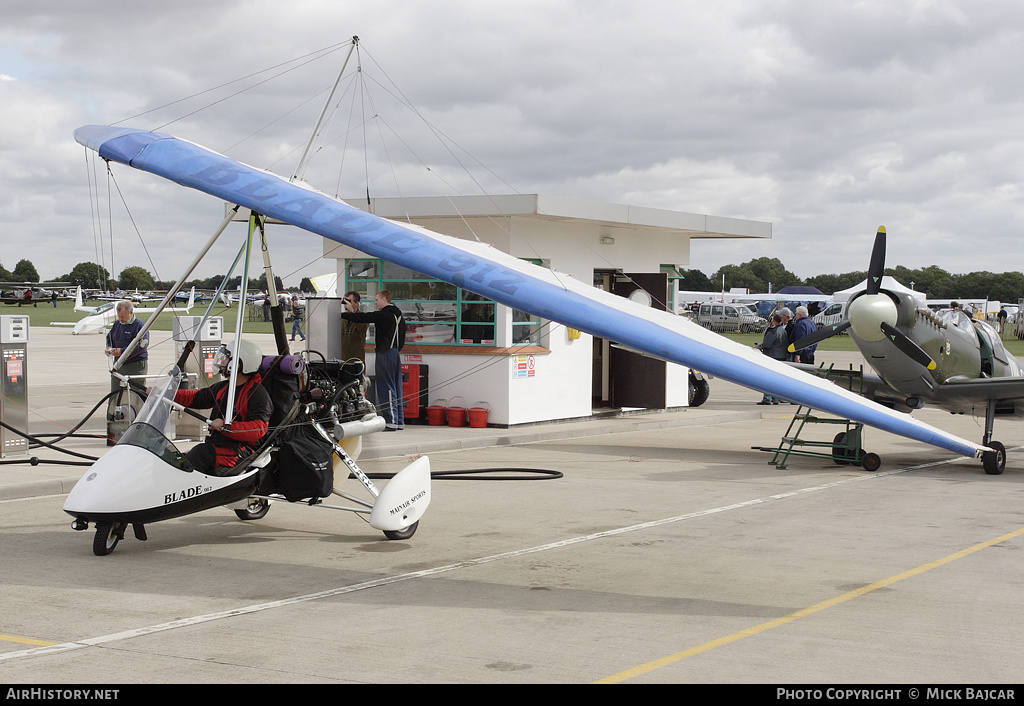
623	378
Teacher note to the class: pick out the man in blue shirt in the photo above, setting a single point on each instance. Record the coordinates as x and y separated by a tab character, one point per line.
121	334
802	328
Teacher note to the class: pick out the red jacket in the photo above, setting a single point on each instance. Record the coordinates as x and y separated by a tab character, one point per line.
251	422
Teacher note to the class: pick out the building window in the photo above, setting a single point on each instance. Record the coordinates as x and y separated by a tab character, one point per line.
436	313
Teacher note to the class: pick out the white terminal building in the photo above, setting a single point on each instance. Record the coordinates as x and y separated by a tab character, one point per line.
462	350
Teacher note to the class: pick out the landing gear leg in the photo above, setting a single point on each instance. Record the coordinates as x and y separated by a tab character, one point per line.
994	461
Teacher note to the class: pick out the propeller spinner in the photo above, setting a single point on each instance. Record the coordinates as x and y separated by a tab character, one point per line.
873	314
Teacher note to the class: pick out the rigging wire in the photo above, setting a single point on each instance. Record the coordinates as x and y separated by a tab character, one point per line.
135	225
450	144
94	207
368	112
304	59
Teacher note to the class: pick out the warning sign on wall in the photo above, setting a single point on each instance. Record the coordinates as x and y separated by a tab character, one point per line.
524	366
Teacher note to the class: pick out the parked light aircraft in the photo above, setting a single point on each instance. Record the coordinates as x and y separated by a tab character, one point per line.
942	358
30	292
103	316
501	277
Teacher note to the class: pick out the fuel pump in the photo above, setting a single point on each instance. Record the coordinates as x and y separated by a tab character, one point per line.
199	368
13	384
323	322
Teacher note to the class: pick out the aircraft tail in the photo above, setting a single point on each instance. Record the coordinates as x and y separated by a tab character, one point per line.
191	299
79	305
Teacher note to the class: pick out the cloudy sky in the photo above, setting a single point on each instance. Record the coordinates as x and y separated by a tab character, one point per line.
826	119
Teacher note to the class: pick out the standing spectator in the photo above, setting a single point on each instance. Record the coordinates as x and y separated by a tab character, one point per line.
802	328
774	346
389	328
121	334
125	330
298	315
353	335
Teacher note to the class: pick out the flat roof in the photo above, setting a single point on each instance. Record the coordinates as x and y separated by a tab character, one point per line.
694	225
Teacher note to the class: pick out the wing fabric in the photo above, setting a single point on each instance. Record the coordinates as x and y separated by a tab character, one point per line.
499	276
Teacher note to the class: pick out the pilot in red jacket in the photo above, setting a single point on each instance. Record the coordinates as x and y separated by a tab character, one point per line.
226	444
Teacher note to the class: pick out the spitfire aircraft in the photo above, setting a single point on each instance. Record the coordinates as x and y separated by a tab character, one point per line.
943	358
499	276
103	316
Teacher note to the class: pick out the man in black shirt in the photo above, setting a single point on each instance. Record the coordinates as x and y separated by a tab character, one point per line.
389	327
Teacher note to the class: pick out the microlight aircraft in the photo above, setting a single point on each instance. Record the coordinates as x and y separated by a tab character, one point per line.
943	358
483	270
103	316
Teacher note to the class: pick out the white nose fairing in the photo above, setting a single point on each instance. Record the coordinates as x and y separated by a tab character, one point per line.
131	484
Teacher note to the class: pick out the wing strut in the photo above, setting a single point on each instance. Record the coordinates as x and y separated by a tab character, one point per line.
276	310
233	377
190	345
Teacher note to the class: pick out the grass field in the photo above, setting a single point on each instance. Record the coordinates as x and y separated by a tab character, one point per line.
44	314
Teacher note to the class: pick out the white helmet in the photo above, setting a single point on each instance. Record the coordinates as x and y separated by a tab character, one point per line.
248	353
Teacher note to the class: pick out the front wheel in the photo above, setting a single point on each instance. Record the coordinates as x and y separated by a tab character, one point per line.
108	534
402	533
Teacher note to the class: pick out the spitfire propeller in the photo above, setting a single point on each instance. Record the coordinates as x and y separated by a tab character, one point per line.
873	314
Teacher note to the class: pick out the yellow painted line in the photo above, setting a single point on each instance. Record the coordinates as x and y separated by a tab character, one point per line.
803	613
25	641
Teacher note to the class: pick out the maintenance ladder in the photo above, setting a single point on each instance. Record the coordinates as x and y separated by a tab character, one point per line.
844	449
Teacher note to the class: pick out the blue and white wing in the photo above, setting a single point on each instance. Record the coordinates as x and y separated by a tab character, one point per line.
506	279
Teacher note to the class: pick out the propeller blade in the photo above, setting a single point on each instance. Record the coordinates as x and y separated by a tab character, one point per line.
819	336
911	349
877	267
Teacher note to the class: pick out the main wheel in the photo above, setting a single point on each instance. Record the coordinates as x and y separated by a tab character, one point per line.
402	533
255	509
841	453
994	461
699	392
108	534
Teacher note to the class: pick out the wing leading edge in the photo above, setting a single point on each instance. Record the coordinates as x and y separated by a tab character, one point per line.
498	276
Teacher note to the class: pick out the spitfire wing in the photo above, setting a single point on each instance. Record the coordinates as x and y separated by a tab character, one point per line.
490	273
975	392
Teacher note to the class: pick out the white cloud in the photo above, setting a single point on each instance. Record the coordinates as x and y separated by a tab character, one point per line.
826	119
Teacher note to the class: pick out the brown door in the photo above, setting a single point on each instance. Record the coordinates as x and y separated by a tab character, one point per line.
636	380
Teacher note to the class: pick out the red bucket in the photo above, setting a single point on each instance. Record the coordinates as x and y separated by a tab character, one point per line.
478	415
437	414
456	415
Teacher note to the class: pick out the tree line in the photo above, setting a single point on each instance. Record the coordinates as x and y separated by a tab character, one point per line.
89	275
756	275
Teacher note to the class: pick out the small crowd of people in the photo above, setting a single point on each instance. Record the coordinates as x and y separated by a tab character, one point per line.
784	330
293	310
